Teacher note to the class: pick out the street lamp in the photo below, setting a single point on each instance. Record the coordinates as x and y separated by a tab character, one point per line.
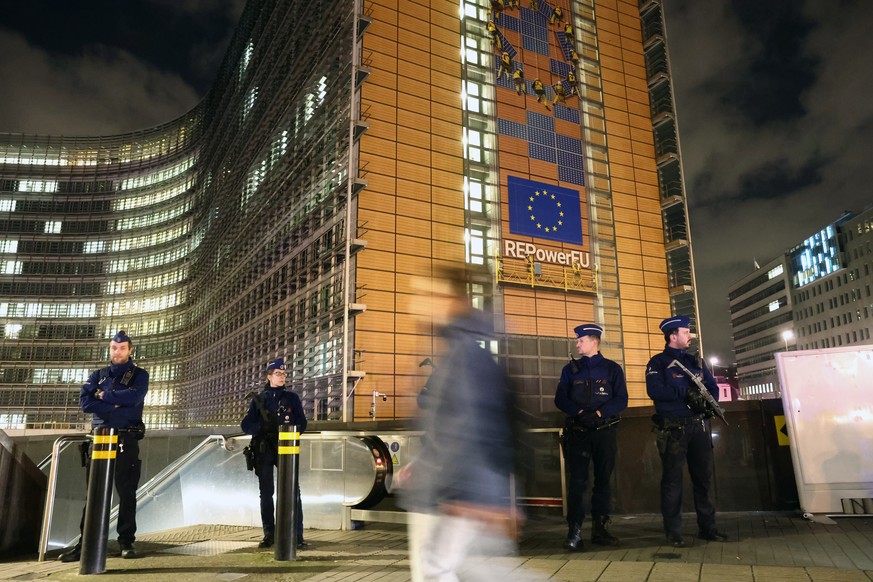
713	362
787	335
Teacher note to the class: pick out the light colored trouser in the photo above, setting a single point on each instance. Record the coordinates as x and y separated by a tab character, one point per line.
442	546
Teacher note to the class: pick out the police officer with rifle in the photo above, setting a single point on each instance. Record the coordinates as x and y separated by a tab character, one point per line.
592	392
273	407
686	397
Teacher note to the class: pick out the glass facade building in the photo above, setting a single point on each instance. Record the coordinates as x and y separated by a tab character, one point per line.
344	148
816	295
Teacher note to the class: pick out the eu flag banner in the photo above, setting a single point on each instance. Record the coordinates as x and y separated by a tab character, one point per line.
544	211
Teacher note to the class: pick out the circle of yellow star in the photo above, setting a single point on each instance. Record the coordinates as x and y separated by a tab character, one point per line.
551	228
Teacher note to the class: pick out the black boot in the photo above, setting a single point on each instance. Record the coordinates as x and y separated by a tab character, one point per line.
127	551
74	554
267	542
574	538
599	534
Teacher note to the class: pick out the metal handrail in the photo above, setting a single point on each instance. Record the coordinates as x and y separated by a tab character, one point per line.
59	445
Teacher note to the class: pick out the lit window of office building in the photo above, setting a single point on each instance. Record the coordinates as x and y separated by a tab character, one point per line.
346	147
833	306
762	323
816	295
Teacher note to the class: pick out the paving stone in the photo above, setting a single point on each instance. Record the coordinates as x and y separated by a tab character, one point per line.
836	575
667	572
779	574
726	573
626	572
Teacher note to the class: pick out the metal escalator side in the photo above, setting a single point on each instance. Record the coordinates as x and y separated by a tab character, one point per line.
210	485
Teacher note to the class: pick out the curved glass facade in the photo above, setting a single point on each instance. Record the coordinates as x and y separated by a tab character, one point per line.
217	240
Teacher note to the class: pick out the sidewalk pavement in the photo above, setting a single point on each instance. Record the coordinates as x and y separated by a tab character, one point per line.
762	547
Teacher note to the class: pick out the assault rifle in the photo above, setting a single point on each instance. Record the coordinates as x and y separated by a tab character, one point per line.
711	403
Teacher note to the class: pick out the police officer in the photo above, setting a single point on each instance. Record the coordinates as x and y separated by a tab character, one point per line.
682	432
274	406
591	392
114	395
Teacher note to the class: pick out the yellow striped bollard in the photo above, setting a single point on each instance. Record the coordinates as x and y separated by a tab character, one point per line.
286	496
95	533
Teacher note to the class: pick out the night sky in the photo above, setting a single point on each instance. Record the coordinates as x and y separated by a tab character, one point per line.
774	100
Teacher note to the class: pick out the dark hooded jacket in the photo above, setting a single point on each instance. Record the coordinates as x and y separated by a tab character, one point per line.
467	452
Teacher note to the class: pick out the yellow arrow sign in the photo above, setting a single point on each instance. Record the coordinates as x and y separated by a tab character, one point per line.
781	431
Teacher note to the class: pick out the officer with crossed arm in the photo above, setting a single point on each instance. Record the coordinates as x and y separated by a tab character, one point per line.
114	395
592	392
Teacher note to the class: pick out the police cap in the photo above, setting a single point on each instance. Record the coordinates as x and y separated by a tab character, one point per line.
677	321
588	329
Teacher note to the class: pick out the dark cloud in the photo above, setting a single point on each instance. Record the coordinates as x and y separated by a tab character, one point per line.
778	180
100	91
106	66
779	71
775	123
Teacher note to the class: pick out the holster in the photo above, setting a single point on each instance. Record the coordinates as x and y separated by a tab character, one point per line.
85	452
249	454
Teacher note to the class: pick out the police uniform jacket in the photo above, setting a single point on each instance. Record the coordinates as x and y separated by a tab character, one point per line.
122	402
667	386
282	403
597	384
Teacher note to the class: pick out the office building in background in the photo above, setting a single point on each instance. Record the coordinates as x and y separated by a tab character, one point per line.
816	295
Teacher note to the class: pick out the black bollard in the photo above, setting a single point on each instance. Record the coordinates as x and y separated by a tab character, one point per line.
286	494
95	533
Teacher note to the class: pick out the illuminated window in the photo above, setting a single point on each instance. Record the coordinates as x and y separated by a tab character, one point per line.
250	101
475	191
156	260
475	239
149	240
246	59
322	90
11	267
53	227
473	97
37	186
473	145
7	205
142	200
48	309
774	305
96	246
152	219
8	246
775	272
309	107
157	177
60	375
11	330
13	421
136	306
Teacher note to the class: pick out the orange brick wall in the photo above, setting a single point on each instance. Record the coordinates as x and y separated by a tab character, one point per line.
411	212
638	223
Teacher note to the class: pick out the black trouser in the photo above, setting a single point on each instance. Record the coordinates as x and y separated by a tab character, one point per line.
127	472
686	441
266	486
581	447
